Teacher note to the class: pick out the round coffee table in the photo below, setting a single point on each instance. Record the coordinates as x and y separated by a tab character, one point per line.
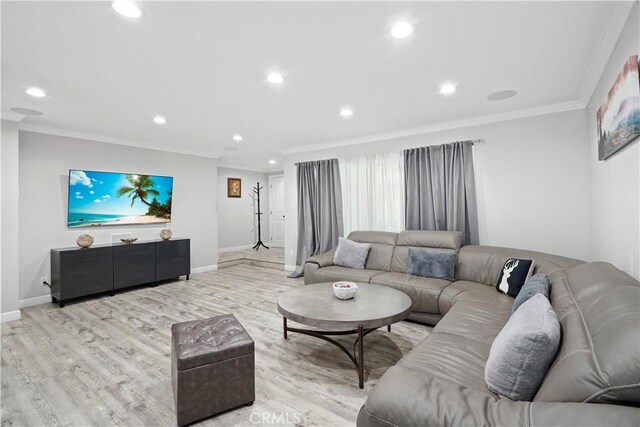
372	307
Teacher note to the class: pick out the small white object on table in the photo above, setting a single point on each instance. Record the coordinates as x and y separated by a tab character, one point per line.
344	290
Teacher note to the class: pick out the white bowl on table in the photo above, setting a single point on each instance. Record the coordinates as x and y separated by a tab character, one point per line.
344	290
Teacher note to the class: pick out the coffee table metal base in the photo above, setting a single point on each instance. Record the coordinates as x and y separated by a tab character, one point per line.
356	358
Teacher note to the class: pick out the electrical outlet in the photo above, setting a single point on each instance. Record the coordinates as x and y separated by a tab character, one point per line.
44	279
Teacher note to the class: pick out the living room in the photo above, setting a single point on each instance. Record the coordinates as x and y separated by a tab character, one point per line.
316	148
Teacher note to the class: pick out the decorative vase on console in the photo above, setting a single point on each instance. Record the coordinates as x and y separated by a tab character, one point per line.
166	234
129	240
84	240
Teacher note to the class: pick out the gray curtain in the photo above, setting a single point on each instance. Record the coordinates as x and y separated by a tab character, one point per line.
440	189
319	208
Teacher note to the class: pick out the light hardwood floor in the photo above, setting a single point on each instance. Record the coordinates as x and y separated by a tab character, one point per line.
274	255
272	258
106	361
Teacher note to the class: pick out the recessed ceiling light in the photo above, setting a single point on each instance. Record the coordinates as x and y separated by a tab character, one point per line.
275	78
26	111
346	112
447	88
237	138
502	94
272	162
160	120
401	30
126	8
36	92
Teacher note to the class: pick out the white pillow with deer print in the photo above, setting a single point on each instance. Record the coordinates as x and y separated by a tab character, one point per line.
515	272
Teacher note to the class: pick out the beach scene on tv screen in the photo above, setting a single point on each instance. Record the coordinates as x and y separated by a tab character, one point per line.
107	198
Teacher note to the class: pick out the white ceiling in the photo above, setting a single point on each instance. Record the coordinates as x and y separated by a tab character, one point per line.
203	65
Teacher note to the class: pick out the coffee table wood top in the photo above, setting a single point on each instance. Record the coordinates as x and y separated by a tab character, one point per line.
372	307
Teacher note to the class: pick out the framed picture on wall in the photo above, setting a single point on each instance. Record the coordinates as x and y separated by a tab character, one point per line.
234	187
619	116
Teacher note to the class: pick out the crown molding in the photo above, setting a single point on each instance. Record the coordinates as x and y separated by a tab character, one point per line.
610	36
30	127
249	169
443	126
242	168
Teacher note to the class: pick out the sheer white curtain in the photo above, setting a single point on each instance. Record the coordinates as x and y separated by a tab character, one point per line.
373	192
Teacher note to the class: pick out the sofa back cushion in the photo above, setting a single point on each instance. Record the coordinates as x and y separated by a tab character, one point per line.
382	244
483	264
599	358
421	239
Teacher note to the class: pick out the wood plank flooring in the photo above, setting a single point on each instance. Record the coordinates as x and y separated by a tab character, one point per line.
275	255
272	258
106	361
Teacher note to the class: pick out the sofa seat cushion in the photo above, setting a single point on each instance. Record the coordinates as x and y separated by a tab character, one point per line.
403	397
476	320
438	380
457	359
450	293
334	273
463	290
423	291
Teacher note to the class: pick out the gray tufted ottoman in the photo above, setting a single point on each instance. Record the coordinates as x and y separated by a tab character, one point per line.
212	367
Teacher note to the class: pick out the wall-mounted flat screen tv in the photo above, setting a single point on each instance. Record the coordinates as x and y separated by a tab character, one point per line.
108	198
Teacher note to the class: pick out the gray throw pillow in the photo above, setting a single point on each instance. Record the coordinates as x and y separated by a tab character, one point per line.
351	254
436	263
536	284
523	351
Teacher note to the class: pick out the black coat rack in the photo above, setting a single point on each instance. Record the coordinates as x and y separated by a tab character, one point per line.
256	191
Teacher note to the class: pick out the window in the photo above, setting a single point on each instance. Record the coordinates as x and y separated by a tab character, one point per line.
373	192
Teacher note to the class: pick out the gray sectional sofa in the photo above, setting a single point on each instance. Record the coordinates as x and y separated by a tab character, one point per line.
594	380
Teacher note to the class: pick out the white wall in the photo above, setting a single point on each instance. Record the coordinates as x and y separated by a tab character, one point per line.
45	161
237	222
530	179
615	182
9	221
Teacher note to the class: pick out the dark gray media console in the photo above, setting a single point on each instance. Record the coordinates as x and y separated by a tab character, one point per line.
80	272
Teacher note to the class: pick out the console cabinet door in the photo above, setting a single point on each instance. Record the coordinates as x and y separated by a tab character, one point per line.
172	259
134	264
85	272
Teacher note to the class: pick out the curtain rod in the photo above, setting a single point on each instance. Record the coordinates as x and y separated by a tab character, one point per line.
472	141
309	161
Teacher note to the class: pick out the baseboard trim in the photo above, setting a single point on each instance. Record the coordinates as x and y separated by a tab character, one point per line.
30	302
234	248
10	316
204	269
290	267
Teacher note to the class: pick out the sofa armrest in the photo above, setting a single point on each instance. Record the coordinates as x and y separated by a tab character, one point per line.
322	260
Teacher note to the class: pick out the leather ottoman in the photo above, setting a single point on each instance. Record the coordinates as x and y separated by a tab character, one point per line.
212	367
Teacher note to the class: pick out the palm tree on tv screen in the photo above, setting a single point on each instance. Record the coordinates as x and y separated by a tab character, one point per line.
142	186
